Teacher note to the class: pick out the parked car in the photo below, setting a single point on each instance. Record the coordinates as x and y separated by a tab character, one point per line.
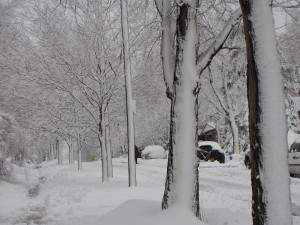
138	151
154	152
293	155
294	158
210	150
247	159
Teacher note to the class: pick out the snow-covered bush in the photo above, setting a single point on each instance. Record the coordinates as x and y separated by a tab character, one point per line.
11	149
5	168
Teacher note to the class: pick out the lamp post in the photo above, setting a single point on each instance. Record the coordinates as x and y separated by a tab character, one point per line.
129	101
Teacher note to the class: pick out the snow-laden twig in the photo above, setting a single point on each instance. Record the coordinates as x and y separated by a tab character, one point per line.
204	59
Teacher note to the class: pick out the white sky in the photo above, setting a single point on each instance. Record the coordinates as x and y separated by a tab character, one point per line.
280	18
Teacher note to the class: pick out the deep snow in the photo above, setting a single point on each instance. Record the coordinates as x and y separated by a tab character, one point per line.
61	195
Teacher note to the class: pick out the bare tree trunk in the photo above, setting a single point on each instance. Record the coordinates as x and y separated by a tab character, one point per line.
179	188
59	153
79	158
109	153
71	152
269	177
104	160
55	150
50	152
119	139
235	134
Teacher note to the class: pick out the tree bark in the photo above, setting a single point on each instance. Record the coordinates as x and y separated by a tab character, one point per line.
55	150
59	153
71	152
181	188
50	152
104	161
263	172
79	158
109	153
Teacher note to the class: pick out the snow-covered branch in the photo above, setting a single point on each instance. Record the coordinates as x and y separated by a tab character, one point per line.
287	5
208	99
220	100
204	60
168	42
159	6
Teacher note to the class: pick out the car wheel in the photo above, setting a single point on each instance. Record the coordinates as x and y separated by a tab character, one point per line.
247	163
212	159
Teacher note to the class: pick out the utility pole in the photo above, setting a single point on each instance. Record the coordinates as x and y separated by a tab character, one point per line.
129	101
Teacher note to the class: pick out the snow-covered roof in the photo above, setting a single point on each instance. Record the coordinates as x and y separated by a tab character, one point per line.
212	124
208	127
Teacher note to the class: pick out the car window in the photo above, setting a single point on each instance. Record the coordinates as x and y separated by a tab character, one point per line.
295	147
206	147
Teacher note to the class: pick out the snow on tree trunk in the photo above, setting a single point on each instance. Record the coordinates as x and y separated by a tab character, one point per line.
228	109
167	43
127	68
182	175
102	134
79	159
109	161
102	140
235	134
267	122
104	160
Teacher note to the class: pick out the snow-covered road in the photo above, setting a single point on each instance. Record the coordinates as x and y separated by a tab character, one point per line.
61	195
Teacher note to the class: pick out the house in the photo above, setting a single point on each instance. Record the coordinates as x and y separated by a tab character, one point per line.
208	133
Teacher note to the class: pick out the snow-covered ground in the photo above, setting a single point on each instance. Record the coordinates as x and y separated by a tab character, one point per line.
60	195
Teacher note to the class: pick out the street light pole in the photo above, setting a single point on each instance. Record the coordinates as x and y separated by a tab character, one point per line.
129	101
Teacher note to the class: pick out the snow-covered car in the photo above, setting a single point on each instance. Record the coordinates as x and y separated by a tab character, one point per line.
210	150
294	154
154	152
294	158
138	151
